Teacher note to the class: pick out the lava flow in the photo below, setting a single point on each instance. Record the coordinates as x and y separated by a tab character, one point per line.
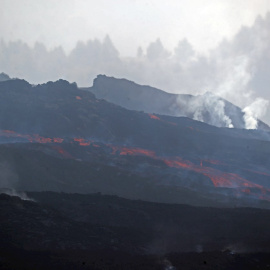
31	138
137	151
82	142
218	178
152	116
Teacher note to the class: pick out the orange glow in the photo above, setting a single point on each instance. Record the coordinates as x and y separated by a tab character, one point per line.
136	151
153	116
177	164
63	152
31	138
217	177
40	139
78	97
85	143
82	142
58	140
123	151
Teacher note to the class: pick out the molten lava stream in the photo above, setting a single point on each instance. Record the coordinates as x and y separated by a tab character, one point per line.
223	179
152	116
218	178
136	151
82	142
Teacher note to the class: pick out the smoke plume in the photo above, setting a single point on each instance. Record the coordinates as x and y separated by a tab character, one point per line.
9	181
8	178
207	103
14	193
254	111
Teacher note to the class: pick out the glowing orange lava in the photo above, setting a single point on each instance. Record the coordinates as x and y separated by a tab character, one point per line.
218	178
61	151
152	116
136	151
58	140
82	142
78	97
35	138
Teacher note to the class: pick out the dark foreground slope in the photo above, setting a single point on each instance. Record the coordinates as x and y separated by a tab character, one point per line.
65	231
168	227
208	108
115	260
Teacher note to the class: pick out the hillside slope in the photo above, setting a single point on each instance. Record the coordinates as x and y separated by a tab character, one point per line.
207	108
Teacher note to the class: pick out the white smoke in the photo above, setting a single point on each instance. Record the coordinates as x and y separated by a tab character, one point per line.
8	178
233	82
215	106
168	265
254	111
233	77
13	192
206	108
9	181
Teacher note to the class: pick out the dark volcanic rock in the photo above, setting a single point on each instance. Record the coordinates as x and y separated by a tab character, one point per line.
87	222
71	231
31	226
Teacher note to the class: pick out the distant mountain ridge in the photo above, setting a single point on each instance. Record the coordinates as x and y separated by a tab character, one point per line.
4	77
207	108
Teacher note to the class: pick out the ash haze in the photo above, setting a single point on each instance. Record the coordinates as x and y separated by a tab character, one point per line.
130	23
178	46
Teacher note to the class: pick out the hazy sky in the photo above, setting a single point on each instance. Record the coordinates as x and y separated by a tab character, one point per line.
130	23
